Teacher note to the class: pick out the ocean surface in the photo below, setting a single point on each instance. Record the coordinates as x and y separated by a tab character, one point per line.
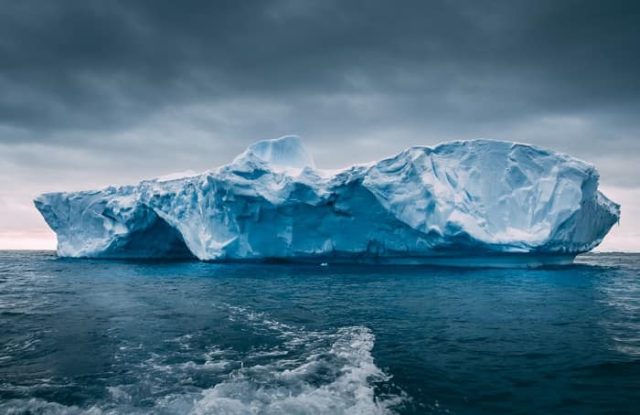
97	336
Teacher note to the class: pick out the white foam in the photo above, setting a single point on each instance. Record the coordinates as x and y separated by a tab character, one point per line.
332	373
301	372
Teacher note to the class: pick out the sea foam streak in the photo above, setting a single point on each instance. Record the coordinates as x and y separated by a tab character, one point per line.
310	372
299	371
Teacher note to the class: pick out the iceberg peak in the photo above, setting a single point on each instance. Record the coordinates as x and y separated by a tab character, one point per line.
284	152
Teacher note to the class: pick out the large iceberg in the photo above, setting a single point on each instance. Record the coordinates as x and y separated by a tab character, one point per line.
477	202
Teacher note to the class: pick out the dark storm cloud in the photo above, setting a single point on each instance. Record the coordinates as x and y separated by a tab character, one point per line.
109	65
100	92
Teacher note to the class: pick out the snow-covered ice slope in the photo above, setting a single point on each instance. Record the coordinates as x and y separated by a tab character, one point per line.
478	202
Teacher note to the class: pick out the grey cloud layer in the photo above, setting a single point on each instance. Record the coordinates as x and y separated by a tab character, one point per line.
100	92
365	75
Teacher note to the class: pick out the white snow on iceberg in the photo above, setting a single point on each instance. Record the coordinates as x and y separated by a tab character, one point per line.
477	202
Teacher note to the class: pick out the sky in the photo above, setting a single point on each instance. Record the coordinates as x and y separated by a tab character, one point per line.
94	93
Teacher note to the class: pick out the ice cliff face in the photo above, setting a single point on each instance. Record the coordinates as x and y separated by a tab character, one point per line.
464	202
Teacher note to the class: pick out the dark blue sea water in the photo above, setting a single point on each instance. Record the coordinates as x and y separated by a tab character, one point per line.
188	337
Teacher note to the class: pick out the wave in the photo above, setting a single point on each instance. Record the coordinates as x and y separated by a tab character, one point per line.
298	371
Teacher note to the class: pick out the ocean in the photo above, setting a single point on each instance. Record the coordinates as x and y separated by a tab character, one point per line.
179	337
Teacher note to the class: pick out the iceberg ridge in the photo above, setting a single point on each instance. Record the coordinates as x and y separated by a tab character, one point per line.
476	202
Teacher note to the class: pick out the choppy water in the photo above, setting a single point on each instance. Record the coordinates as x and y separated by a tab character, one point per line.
188	337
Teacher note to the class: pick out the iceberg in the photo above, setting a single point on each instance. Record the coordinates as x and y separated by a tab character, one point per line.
476	202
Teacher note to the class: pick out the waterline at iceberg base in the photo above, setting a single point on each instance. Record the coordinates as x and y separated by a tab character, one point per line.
476	202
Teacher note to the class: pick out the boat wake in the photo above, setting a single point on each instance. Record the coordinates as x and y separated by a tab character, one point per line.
293	370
